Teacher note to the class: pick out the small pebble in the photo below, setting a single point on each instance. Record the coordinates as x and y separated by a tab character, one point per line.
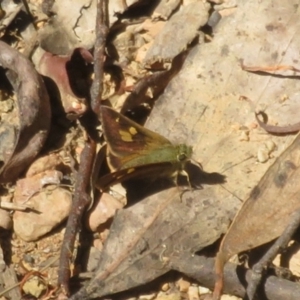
262	154
28	259
203	290
148	297
244	136
193	293
52	209
270	146
166	296
165	287
47	250
15	259
229	297
183	285
97	243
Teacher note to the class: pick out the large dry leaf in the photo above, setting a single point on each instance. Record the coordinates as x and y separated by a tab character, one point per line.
178	32
144	238
202	105
266	213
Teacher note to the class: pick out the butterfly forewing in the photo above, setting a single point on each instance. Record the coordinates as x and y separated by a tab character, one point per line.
124	136
130	144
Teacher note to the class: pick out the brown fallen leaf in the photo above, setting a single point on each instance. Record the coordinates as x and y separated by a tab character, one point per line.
144	237
34	114
266	213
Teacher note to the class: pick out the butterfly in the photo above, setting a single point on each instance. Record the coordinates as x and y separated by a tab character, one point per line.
134	151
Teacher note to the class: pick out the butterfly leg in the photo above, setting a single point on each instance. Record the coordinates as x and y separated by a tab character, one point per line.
280	243
183	173
186	175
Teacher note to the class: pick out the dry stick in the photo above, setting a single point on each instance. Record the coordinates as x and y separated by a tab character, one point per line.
83	178
99	57
201	269
280	243
80	202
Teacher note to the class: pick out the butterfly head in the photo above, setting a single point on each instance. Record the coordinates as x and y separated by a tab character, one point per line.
184	153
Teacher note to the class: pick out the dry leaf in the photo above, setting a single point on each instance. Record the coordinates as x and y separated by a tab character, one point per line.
267	212
178	32
145	237
34	114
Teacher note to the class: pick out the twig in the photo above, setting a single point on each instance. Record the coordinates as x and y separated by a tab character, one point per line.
80	202
83	178
281	242
271	128
236	277
99	56
13	206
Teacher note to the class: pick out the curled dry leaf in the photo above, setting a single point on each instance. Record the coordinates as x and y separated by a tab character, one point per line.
58	69
33	112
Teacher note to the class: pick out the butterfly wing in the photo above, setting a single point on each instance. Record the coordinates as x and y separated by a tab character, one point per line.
128	143
150	170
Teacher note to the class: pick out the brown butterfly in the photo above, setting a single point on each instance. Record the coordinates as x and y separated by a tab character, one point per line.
134	151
